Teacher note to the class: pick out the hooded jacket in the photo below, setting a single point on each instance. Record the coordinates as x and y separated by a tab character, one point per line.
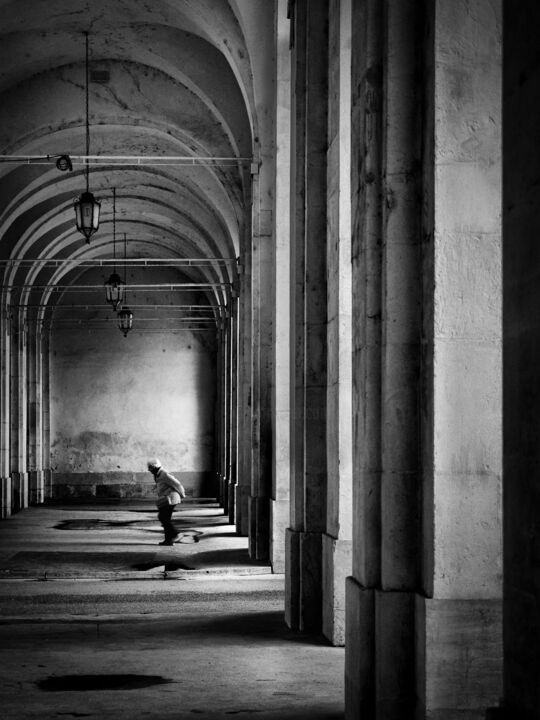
170	491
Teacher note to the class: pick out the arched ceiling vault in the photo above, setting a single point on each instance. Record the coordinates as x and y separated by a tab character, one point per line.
168	79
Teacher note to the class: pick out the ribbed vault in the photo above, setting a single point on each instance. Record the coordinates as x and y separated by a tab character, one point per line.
167	80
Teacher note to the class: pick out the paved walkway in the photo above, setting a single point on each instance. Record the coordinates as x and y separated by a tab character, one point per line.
99	621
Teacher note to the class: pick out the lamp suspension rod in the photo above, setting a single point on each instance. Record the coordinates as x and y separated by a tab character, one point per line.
114	229
87	113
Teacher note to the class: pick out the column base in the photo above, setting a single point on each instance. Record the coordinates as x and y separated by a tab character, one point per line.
47	484
224	494
36	487
303	581
359	651
460	657
292	579
407	656
242	495
19	491
379	654
337	565
5	498
259	528
279	519
231	502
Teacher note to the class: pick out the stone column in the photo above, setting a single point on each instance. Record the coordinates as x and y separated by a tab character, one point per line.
233	452
366	179
297	351
261	320
244	397
218	412
222	409
18	414
5	420
309	327
337	545
281	326
227	399
35	424
423	605
459	610
46	444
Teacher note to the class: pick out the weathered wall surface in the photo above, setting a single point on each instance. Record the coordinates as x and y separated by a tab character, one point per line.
521	263
117	401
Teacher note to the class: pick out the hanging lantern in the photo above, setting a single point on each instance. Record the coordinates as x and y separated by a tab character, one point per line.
125	316
87	207
114	291
114	287
87	214
125	320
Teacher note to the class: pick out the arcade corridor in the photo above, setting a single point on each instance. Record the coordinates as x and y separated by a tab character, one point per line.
289	247
121	628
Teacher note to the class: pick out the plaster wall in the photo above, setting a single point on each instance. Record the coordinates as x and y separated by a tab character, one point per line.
116	401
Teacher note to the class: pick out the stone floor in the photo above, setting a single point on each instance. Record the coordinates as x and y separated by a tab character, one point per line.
98	621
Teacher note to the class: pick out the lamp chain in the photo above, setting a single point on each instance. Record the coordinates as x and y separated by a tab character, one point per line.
114	229
125	268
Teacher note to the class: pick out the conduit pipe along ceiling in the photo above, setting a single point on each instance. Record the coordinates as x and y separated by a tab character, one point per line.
166	81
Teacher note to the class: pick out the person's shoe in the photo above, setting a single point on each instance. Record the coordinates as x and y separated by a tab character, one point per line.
166	542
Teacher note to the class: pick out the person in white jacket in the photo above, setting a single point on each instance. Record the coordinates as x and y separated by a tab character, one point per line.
170	492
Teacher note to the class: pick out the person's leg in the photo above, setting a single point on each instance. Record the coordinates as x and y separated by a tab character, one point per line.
164	516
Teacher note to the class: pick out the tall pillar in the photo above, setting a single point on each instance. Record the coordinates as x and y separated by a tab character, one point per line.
233	439
459	610
337	541
423	603
281	325
309	324
46	413
18	415
261	319
35	424
366	181
243	488
222	407
227	399
5	419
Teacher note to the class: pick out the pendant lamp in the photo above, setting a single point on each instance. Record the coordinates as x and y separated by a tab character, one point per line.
114	287
87	207
125	316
